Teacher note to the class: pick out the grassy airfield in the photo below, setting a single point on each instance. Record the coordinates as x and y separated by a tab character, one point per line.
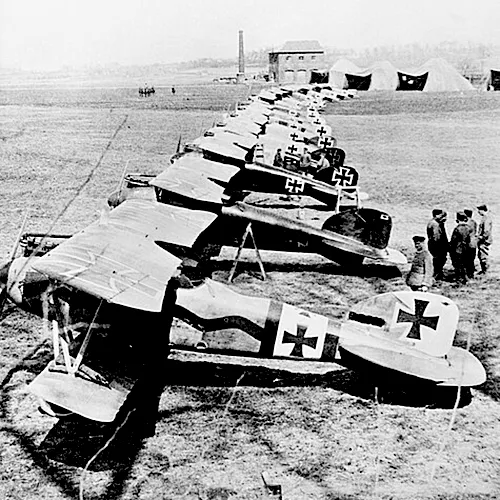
322	434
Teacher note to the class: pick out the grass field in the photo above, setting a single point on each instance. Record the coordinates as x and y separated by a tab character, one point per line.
323	433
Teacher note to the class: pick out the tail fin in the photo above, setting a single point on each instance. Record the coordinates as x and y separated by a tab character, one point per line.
367	225
424	321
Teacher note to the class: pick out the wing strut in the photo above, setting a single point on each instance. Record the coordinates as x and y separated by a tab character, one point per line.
248	232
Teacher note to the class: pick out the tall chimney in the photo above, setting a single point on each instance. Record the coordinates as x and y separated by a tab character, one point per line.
241	58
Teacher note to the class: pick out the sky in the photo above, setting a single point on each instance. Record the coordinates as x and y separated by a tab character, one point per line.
45	35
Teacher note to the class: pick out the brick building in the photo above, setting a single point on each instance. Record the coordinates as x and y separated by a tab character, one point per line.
294	62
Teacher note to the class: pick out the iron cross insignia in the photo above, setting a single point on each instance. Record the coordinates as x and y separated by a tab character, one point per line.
342	177
418	319
294	185
299	340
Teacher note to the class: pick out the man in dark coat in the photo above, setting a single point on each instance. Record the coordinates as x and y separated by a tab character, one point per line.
484	237
278	159
460	245
471	267
420	276
438	241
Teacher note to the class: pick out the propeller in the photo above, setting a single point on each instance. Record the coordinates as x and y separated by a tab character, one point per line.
4	270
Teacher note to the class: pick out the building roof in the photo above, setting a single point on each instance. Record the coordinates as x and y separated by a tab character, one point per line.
298	46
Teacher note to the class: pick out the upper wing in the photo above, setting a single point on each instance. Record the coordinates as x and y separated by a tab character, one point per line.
118	259
197	178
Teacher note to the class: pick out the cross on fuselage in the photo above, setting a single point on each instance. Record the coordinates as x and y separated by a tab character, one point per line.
343	177
321	131
418	319
294	136
292	148
299	340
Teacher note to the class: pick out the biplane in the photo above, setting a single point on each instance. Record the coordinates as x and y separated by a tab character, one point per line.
195	183
111	280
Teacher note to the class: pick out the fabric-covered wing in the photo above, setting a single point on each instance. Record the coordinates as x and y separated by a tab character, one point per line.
194	177
118	260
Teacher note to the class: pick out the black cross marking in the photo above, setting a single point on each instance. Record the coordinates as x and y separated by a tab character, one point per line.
299	340
321	131
294	185
294	136
292	148
417	319
343	178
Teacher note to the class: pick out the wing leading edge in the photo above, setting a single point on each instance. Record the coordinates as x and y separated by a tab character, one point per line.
118	259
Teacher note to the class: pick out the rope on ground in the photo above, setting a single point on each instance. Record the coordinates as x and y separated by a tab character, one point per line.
94	457
445	435
75	195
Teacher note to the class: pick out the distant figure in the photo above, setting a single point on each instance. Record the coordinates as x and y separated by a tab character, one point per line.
173	90
323	168
471	258
438	241
484	237
460	245
305	161
420	276
278	159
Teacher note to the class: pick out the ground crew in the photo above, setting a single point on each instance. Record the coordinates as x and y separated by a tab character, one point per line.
420	276
438	241
484	238
460	247
471	258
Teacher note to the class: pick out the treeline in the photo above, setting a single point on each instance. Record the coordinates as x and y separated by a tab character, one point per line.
462	55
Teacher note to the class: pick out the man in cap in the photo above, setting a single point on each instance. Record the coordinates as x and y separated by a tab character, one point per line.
484	237
460	245
471	266
420	276
438	241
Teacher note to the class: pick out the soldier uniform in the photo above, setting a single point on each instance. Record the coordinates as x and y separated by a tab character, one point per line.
460	247
420	276
471	266
438	241
484	237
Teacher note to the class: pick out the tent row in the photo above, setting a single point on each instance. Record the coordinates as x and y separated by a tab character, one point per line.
434	76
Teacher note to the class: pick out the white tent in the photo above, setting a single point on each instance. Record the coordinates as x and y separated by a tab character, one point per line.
434	76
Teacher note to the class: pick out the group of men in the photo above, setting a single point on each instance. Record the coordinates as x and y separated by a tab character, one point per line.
468	240
306	164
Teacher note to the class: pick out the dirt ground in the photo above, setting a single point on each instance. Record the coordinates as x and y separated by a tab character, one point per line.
318	432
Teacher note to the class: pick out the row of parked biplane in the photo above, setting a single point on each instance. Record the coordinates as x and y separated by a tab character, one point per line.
102	286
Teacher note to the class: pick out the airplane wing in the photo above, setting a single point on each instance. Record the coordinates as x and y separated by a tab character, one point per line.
195	177
118	260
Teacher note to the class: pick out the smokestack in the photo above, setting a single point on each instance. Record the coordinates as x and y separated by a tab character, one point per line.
241	59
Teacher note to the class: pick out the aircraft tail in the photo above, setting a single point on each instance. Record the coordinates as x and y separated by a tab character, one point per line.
423	321
409	334
367	225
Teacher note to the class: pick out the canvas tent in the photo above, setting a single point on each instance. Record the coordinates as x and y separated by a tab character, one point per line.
433	76
492	74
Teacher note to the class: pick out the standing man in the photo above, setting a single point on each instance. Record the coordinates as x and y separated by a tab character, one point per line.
305	161
438	241
420	276
460	247
484	237
471	266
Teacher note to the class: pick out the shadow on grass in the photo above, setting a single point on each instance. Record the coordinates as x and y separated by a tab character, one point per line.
390	391
76	441
252	268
